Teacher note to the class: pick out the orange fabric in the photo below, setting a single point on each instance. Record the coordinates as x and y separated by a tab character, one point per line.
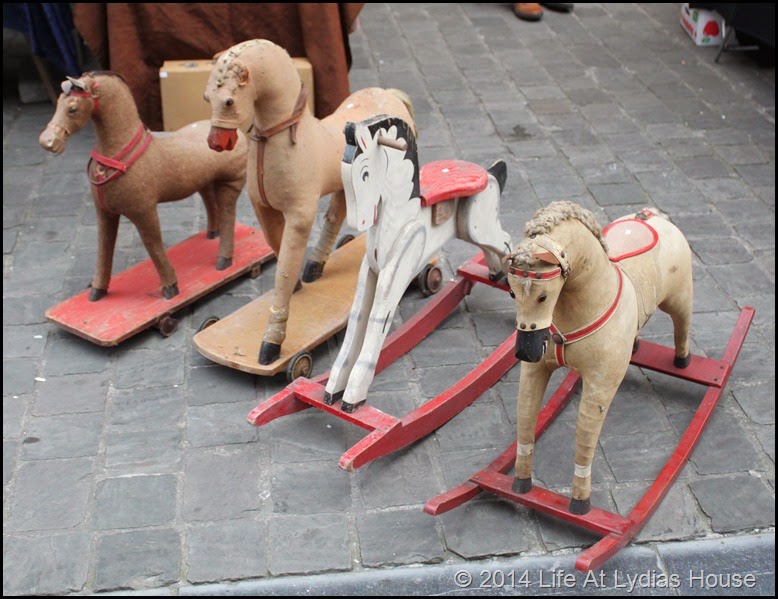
136	39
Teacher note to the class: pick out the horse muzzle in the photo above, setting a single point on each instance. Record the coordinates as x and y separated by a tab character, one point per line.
531	346
51	142
220	139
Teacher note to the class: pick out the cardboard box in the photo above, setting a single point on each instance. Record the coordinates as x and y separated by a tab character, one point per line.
182	85
705	27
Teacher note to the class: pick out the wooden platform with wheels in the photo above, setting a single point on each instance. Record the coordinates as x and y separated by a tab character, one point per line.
318	311
616	530
388	434
134	301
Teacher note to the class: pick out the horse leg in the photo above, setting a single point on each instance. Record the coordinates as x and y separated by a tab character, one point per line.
107	229
208	195
679	307
478	222
393	280
333	220
226	199
595	402
288	267
148	227
355	335
532	386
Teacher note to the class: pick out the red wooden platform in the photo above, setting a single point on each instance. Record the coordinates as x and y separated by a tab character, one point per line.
616	530
134	301
388	433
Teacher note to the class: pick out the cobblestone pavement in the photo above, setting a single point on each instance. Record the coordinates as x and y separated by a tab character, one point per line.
133	468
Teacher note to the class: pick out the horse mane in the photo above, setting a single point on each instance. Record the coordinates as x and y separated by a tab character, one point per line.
109	73
224	59
374	124
546	219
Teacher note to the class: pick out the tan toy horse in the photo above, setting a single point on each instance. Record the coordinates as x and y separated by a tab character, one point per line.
131	171
580	305
293	162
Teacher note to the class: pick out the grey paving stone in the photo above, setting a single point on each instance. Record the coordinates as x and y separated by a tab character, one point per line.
326	488
766	437
207	473
62	436
398	537
230	550
149	368
757	401
705	167
634	457
69	394
39	505
217	384
14	408
740	502
149	451
135	502
617	194
478	426
9	459
304	544
307	435
19	376
219	424
70	355
50	565
486	529
138	560
757	174
144	409
722	250
30	309
27	341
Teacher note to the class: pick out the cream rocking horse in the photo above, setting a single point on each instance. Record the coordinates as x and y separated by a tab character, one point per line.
294	159
408	217
132	171
581	305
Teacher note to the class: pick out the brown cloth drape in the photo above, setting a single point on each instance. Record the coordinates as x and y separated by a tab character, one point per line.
135	39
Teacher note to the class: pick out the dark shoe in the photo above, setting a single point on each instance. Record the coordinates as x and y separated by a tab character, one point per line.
561	7
528	12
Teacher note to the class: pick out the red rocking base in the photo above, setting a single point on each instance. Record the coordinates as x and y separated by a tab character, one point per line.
389	433
134	301
617	530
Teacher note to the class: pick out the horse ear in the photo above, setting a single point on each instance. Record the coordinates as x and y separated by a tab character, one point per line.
217	55
76	83
362	135
546	257
241	71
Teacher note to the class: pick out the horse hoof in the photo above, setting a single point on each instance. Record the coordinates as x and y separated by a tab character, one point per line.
522	485
223	263
170	291
350	408
269	353
212	234
298	286
96	294
682	362
579	507
330	398
312	271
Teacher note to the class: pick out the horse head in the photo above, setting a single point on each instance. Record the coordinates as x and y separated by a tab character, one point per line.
380	163
75	106
537	271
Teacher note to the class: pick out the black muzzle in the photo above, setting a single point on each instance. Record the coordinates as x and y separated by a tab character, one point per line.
531	346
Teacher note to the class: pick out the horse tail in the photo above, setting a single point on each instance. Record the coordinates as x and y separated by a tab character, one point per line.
406	99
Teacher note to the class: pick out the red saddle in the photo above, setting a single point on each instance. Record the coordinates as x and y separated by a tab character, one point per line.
629	237
446	179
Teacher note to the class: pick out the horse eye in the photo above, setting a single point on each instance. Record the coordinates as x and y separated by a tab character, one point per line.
513	295
542	298
365	176
229	102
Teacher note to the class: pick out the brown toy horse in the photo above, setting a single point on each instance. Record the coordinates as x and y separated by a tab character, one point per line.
293	162
132	171
590	303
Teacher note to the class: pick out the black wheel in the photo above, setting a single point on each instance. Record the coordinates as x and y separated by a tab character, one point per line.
344	240
430	279
207	322
255	271
300	365
167	325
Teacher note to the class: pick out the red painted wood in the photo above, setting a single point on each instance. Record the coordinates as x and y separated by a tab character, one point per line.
446	179
540	499
465	492
617	530
283	403
134	301
436	412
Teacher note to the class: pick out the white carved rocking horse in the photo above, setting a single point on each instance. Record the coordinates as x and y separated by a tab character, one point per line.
580	305
407	222
294	159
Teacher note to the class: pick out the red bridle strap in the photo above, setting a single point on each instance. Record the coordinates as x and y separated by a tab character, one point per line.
562	339
87	94
529	274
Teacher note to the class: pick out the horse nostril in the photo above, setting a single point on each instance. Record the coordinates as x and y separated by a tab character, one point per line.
229	102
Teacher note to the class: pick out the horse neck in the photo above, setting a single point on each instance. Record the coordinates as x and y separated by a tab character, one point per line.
592	283
277	85
116	119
